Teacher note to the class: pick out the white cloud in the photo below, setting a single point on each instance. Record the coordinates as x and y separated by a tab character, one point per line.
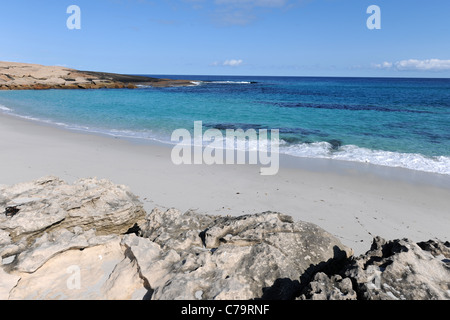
228	63
416	65
423	65
384	65
233	62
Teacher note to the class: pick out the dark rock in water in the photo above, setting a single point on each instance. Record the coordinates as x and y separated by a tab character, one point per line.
337	106
293	140
234	126
335	143
290	135
301	131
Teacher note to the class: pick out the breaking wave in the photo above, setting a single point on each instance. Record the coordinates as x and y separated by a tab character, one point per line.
325	150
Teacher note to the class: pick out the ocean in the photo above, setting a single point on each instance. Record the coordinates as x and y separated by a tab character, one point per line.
385	121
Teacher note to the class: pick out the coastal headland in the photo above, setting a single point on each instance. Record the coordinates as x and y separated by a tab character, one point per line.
24	76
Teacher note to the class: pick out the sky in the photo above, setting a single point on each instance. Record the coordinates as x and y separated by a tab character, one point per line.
232	37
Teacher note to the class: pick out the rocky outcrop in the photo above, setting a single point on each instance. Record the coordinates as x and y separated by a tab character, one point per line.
231	257
22	76
50	227
93	240
49	204
98	229
390	270
324	287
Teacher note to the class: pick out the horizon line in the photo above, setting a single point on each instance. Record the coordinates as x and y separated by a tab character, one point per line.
278	76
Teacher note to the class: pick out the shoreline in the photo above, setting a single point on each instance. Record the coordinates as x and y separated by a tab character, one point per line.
393	173
353	201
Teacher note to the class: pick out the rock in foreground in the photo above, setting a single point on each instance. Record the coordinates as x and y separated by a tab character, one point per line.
93	240
390	270
211	257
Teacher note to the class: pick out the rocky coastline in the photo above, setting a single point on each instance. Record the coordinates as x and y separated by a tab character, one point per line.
22	76
92	239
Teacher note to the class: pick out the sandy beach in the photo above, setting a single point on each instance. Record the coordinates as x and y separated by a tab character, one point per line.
354	202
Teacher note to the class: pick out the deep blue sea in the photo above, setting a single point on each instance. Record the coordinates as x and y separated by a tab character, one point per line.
393	122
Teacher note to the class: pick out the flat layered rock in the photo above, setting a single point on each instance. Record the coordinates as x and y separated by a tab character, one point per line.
22	76
50	204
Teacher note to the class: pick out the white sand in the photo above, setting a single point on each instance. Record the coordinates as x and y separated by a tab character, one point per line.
352	201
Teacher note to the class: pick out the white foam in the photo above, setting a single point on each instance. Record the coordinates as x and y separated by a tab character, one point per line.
231	82
241	144
324	150
414	161
3	108
193	84
61	124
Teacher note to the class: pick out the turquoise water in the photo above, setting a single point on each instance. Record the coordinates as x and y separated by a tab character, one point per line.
394	122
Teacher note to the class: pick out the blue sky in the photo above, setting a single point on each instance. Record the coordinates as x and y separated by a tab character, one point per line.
232	37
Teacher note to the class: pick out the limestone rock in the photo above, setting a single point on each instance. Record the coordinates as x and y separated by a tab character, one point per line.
51	244
7	283
23	76
400	269
93	240
58	227
98	272
335	287
233	257
50	203
436	248
390	270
